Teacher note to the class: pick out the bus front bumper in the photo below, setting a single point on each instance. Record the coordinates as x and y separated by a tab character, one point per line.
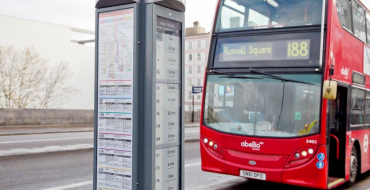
310	174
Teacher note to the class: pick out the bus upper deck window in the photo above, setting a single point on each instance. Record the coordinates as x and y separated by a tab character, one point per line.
258	14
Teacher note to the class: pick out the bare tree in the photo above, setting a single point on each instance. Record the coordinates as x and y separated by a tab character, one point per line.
27	82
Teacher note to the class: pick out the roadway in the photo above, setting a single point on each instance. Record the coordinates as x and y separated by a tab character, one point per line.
73	169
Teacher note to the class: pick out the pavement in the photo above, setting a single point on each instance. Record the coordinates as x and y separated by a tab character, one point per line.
26	141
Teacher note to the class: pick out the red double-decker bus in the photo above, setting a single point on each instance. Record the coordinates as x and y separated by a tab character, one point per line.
287	92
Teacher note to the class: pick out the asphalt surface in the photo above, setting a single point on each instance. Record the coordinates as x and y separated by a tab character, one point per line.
73	170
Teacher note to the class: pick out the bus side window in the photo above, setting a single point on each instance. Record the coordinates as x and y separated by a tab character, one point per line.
344	13
357	106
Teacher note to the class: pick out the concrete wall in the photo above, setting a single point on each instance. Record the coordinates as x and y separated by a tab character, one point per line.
45	117
56	117
188	116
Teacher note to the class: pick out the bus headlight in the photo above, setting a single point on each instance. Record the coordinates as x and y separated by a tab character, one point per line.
310	151
213	147
300	156
296	155
205	140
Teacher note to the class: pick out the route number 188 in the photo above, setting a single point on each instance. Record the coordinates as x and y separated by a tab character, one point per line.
296	49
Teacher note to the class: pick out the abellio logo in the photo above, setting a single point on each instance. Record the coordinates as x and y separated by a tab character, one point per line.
254	145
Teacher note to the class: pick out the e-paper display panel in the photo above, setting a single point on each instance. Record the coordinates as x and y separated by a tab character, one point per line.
168	103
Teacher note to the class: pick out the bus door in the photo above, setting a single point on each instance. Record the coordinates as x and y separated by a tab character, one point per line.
337	121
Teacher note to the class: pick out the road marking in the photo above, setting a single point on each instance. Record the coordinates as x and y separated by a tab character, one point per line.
45	140
70	186
193	164
191	131
23	151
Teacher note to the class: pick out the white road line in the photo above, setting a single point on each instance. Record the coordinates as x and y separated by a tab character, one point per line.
45	140
70	186
191	131
193	164
46	149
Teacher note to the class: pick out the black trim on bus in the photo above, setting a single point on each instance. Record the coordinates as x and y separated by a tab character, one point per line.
270	70
267	31
359	128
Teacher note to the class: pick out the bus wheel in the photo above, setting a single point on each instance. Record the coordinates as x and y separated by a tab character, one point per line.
354	167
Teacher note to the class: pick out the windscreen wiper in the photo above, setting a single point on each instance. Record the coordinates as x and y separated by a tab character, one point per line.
278	78
228	75
240	77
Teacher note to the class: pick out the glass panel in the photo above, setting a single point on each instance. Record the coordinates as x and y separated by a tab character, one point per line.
344	13
257	14
367	117
256	105
359	21
357	106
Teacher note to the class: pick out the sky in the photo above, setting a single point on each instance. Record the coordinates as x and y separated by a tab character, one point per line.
81	13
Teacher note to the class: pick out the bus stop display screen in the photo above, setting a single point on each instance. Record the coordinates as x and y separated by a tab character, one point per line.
279	50
168	101
272	50
115	100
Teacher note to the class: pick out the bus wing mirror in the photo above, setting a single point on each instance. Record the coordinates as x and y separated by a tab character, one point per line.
330	90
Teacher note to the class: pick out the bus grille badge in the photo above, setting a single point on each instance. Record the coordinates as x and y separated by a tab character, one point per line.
252	162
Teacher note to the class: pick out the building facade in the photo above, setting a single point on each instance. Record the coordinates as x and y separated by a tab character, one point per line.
55	43
196	57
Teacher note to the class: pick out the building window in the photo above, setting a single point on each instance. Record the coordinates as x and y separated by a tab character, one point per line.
344	13
199	57
190	45
198	97
189	97
357	107
199	44
198	82
199	69
189	108
190	82
190	70
190	57
359	21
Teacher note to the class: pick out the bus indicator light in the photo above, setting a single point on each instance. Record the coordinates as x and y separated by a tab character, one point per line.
211	143
215	146
304	153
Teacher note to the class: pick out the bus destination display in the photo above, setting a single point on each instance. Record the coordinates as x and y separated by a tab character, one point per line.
264	51
168	102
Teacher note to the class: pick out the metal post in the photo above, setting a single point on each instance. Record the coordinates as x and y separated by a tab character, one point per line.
192	114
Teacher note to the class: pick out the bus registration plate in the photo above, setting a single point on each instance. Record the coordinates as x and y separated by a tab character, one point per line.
253	175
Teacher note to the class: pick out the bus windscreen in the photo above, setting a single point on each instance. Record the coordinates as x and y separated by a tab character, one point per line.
261	14
257	105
